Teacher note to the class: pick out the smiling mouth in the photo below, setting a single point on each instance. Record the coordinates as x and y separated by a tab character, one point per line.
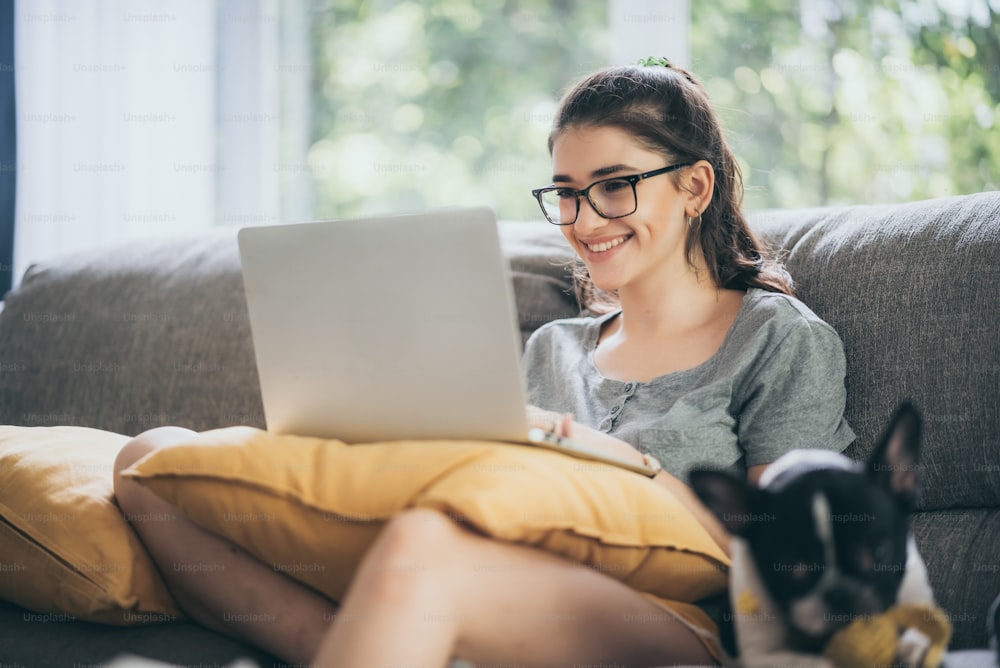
608	245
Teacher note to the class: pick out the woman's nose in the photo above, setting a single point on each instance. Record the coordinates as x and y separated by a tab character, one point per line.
587	217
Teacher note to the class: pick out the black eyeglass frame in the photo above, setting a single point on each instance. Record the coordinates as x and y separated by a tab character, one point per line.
632	179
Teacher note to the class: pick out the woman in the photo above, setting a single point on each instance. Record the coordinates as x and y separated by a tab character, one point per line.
700	354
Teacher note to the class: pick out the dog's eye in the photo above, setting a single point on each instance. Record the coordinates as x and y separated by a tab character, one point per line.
882	551
868	558
802	570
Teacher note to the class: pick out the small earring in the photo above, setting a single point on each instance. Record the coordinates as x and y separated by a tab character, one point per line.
689	221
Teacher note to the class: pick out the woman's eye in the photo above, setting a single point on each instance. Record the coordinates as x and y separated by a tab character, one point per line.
565	193
616	187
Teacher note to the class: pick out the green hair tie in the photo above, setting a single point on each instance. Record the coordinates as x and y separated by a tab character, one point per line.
654	61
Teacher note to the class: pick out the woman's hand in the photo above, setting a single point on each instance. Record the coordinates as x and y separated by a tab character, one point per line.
562	425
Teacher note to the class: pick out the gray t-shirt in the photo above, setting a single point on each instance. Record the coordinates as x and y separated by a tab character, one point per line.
775	384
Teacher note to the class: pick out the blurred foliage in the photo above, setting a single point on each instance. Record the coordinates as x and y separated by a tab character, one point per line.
448	102
443	102
843	101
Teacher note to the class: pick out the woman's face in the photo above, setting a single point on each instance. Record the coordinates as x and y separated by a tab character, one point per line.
643	248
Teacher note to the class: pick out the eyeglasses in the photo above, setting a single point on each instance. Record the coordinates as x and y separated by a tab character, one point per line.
610	198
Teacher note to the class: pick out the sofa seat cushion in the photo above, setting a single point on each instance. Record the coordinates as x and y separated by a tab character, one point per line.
311	507
66	552
30	640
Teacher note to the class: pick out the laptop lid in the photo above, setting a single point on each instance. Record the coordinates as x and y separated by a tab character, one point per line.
386	328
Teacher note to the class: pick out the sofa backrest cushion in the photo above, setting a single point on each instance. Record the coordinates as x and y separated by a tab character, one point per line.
147	334
130	338
912	291
154	333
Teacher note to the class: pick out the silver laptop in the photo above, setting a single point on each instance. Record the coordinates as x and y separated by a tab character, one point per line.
389	328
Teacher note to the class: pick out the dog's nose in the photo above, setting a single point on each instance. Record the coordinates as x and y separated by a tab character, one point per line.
840	600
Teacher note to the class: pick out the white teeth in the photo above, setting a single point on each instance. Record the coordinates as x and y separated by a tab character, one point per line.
606	245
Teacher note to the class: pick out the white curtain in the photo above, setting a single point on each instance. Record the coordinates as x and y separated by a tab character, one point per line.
148	118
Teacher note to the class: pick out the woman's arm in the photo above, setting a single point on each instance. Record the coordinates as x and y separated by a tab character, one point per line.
563	425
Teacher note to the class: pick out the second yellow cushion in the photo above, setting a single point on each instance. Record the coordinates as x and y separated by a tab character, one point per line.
311	507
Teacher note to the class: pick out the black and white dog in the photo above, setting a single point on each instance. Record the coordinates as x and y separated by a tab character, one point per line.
823	541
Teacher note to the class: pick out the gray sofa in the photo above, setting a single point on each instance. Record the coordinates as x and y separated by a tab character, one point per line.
156	333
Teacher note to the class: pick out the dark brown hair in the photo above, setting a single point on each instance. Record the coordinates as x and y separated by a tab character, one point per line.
668	111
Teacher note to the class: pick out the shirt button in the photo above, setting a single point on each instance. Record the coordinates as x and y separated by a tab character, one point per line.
630	387
616	410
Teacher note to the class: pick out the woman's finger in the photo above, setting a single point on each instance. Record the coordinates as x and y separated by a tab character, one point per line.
565	425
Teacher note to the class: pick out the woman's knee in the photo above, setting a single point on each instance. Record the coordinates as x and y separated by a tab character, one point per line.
137	448
411	554
418	534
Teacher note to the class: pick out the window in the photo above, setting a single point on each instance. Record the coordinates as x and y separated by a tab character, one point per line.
845	102
143	121
444	102
448	102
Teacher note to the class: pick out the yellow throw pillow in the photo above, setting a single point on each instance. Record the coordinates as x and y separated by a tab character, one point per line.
311	507
66	552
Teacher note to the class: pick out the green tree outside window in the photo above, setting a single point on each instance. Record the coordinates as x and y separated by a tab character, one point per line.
449	102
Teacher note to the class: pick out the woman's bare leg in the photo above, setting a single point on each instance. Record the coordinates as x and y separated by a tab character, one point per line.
215	582
429	590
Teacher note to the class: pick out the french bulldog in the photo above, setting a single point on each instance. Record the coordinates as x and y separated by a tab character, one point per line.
821	542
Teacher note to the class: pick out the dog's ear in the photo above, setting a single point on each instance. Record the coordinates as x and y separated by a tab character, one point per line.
731	499
894	462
